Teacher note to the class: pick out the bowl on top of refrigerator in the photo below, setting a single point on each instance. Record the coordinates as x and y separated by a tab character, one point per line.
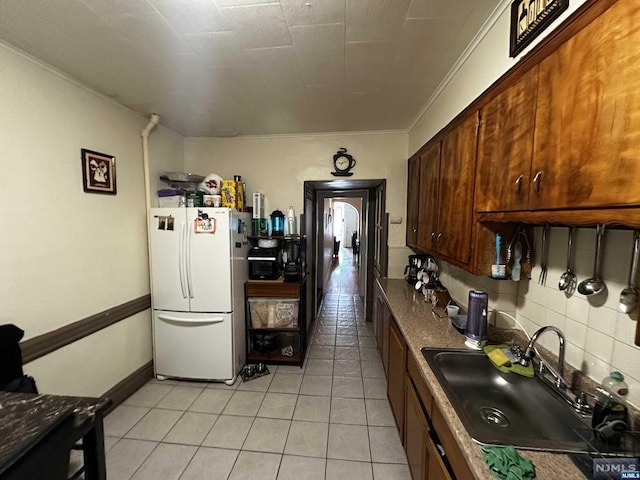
211	185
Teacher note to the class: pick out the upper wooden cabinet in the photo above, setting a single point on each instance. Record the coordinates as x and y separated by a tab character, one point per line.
428	199
457	179
587	130
505	146
413	200
445	212
566	135
559	142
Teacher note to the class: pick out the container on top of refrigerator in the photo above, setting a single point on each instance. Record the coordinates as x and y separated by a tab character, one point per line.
233	194
211	185
171	197
258	205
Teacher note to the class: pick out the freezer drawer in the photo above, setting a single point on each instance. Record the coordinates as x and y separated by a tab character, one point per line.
195	346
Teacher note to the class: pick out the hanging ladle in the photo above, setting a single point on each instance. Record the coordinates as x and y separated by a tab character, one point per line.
629	296
594	285
568	279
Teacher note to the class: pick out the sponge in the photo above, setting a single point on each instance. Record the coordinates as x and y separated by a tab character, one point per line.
498	358
508	367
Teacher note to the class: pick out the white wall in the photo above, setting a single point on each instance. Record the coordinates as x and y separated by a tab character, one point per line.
278	166
166	154
67	254
600	338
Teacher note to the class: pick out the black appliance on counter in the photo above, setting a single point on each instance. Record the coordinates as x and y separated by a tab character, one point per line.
265	263
291	259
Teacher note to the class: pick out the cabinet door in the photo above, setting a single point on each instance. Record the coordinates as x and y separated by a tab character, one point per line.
429	194
436	469
415	434
386	314
382	315
457	178
587	132
379	312
450	446
413	200
505	147
396	373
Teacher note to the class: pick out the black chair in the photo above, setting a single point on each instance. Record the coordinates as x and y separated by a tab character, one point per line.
355	243
12	377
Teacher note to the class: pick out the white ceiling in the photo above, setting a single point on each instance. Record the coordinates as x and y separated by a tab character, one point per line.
243	67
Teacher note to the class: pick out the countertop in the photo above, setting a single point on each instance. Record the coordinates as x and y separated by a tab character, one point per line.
26	418
422	328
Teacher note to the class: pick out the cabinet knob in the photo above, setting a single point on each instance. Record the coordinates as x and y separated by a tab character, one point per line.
519	184
536	183
438	239
433	241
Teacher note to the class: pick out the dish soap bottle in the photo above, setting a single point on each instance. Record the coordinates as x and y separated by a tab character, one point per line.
610	409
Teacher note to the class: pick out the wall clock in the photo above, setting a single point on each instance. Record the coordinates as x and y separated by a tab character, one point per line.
343	163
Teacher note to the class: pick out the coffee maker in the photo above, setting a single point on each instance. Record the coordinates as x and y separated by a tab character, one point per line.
416	262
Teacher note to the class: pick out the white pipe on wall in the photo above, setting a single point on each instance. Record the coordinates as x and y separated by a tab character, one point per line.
153	121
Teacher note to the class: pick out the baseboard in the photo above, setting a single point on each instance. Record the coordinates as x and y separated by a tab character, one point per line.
42	345
129	385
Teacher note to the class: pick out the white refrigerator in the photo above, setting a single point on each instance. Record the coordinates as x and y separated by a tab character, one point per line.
198	270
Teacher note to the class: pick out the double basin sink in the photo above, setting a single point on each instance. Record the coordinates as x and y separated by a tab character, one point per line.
506	408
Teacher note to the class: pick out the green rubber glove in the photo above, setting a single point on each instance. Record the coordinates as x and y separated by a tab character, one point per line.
505	463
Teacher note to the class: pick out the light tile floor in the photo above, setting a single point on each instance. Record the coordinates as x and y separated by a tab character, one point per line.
328	420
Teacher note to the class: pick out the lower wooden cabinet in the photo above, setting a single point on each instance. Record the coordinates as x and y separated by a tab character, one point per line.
436	468
396	373
450	446
432	452
381	317
424	458
416	432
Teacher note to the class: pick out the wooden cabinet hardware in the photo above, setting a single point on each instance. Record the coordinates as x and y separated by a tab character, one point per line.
536	183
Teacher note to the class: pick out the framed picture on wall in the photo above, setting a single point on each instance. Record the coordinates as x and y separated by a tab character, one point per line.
529	18
98	172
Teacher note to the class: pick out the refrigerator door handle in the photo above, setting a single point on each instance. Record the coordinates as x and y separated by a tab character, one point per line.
204	320
188	261
183	227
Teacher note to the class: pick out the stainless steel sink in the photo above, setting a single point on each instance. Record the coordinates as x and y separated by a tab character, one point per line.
506	408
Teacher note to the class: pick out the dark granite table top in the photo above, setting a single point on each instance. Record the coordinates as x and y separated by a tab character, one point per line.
27	418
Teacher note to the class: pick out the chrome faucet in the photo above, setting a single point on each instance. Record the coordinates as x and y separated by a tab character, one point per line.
577	401
530	352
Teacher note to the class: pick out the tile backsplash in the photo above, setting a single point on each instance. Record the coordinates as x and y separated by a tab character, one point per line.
599	337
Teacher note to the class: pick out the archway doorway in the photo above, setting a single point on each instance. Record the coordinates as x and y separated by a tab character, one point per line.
348	228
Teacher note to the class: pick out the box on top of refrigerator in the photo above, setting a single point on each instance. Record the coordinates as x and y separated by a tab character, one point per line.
232	194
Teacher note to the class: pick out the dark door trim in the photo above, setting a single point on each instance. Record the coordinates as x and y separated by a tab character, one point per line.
342	188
